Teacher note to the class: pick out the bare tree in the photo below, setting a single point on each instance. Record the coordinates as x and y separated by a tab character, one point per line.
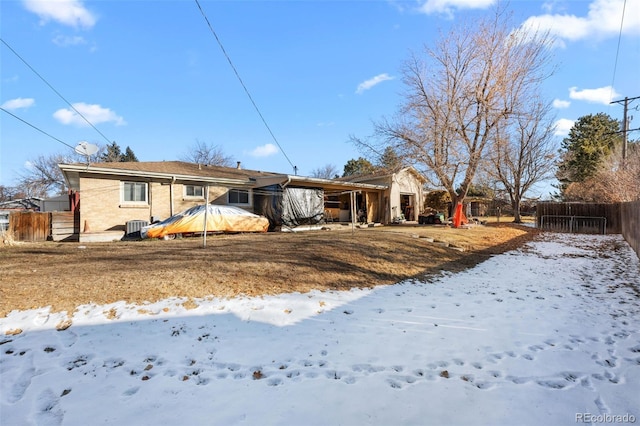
469	83
204	153
328	171
523	153
8	193
615	180
43	177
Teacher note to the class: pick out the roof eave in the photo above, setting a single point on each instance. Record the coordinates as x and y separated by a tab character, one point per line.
76	169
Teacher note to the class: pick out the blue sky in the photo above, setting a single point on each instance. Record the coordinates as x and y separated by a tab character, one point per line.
150	74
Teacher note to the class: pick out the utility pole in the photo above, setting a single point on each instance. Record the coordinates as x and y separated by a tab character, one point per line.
625	122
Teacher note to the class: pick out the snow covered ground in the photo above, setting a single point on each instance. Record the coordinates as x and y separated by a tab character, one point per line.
549	334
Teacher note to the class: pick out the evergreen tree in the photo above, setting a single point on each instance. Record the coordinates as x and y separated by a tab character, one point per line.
591	139
361	166
129	156
390	160
113	154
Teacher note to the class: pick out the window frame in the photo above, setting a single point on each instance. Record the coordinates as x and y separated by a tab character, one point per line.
239	192
123	192
186	195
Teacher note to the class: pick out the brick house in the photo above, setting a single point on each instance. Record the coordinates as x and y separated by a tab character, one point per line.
113	194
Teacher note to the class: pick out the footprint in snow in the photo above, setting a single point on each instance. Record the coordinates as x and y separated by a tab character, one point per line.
585	382
113	363
131	391
67	337
494	358
79	361
394	384
518	380
366	368
49	412
603	408
21	385
293	374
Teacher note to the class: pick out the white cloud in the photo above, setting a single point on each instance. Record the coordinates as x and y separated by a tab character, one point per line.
64	41
559	103
603	95
18	103
366	85
602	20
66	12
94	113
264	150
563	126
447	7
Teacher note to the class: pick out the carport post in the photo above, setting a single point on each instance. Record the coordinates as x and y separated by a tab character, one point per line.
353	211
206	211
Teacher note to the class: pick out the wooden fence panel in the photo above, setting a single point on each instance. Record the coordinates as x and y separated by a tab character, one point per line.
64	226
610	212
29	226
630	213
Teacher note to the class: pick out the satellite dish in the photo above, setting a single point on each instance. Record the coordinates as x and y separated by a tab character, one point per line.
86	148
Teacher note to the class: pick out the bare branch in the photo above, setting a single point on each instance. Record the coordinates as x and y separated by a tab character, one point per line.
204	153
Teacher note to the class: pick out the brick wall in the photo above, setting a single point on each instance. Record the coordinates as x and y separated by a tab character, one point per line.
102	209
161	200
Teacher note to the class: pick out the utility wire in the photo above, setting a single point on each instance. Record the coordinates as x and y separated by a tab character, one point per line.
56	92
243	85
37	128
615	65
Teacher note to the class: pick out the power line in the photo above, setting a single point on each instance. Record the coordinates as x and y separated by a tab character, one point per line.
37	128
615	64
56	92
243	85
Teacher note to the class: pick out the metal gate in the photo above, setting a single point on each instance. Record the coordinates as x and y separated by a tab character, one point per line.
574	224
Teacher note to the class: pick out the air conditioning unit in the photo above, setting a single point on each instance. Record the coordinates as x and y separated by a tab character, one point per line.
134	226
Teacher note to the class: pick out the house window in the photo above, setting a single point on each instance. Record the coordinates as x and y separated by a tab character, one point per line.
193	191
134	192
238	196
4	221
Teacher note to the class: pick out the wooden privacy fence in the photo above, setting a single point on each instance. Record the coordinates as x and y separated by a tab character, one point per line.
616	218
65	226
29	226
42	226
587	218
630	215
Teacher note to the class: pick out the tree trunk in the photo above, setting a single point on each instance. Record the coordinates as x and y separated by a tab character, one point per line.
516	209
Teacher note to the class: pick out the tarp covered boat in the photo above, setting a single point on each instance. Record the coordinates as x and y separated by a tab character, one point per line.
219	219
290	207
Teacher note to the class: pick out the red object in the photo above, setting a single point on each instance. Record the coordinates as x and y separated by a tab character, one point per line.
74	200
459	218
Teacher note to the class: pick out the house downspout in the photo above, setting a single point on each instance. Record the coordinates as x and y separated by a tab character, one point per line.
173	180
284	185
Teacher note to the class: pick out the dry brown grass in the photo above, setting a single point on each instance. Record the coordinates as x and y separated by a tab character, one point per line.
66	275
